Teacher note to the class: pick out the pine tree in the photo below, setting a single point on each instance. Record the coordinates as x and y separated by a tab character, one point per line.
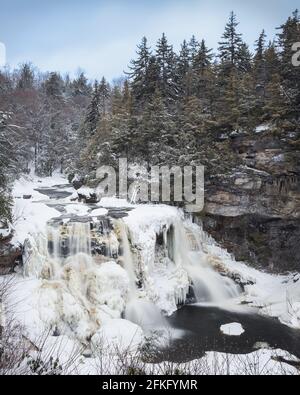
275	104
203	76
193	49
244	59
203	58
228	101
249	105
290	34
54	86
26	78
259	59
191	126
138	74
230	46
166	60
155	132
184	59
80	86
272	61
104	95
121	120
184	71
92	114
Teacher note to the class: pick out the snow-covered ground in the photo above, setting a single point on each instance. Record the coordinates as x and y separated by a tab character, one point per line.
84	300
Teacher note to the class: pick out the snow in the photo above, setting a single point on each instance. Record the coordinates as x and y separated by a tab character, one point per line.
79	209
85	191
100	212
5	232
115	203
118	337
262	129
234	329
84	299
276	296
31	216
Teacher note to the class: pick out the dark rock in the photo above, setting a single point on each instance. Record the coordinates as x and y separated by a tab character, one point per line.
27	197
267	243
9	256
78	183
253	210
89	199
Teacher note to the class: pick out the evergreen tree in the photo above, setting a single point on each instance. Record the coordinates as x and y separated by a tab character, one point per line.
184	71
244	59
166	60
80	86
249	105
54	86
203	78
155	132
26	78
203	58
275	103
92	114
272	61
138	74
227	102
230	46
104	95
193	49
290	34
259	59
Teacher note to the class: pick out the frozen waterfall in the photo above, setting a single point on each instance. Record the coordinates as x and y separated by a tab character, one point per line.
141	267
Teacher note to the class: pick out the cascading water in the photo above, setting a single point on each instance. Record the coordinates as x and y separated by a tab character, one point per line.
208	285
128	259
80	238
142	312
69	240
142	270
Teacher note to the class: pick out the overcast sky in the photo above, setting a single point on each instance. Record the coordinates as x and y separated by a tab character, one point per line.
100	36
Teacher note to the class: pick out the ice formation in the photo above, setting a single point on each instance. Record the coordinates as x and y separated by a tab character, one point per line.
86	268
144	265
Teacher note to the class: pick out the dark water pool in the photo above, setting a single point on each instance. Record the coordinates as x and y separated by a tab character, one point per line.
201	333
54	193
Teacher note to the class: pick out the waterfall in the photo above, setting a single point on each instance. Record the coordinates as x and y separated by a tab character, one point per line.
139	311
69	240
146	315
128	261
90	270
80	238
208	284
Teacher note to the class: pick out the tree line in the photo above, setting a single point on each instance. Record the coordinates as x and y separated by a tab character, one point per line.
170	108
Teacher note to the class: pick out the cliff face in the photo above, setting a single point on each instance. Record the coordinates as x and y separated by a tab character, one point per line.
254	211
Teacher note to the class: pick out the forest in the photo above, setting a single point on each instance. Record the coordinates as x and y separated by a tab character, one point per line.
169	108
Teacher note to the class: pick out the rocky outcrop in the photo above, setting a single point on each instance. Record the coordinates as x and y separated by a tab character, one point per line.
9	256
254	211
